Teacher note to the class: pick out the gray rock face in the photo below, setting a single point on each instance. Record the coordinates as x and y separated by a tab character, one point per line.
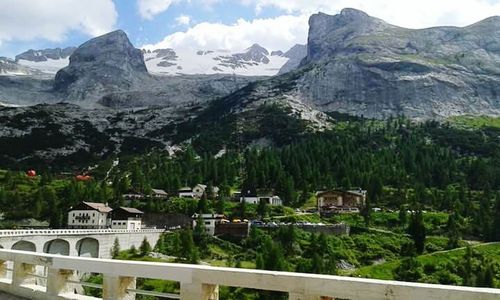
364	66
108	63
255	53
295	56
44	55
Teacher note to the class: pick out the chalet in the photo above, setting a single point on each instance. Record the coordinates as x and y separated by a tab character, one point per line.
89	215
340	201
199	190
132	196
217	224
159	194
126	218
186	192
209	220
196	192
260	196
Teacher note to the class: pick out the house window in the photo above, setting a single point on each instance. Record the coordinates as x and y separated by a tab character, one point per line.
207	223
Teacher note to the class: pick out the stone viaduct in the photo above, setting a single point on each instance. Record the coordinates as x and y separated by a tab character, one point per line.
95	243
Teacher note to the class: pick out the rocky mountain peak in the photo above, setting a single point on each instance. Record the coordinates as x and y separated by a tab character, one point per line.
326	31
257	49
354	14
295	55
255	53
110	48
106	63
45	54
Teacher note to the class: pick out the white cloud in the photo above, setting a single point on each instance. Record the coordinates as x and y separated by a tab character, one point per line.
287	30
275	33
406	13
183	20
150	8
27	20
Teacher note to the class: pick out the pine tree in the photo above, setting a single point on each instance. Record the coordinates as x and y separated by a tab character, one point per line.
133	251
242	209
200	236
262	209
402	216
220	205
145	247
453	232
366	211
485	215
417	230
115	250
188	250
495	234
410	269
203	205
38	205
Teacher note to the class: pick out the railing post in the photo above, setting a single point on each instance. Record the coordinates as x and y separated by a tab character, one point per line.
115	288
57	281
21	274
199	291
3	269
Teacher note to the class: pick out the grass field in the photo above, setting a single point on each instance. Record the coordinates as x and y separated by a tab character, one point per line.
475	122
385	271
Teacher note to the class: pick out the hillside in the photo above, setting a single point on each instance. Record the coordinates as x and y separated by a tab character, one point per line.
439	267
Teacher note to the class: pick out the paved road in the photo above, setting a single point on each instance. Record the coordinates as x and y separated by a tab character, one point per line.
5	296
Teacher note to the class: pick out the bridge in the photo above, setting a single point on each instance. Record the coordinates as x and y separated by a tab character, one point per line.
95	243
60	281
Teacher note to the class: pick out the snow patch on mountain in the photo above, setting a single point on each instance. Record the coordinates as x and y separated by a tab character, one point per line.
254	61
49	66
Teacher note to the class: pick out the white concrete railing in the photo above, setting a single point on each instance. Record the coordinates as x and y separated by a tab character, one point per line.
30	232
202	282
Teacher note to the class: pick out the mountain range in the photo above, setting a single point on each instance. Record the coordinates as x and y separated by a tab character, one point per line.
253	61
117	96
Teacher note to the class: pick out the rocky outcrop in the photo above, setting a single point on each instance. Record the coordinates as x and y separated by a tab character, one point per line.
105	64
295	56
361	65
46	54
364	66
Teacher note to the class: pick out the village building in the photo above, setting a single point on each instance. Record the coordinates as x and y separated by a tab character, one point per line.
197	191
210	221
217	224
267	197
159	194
126	218
132	196
89	215
340	201
185	192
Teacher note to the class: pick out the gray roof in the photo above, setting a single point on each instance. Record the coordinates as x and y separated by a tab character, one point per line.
100	207
158	191
131	210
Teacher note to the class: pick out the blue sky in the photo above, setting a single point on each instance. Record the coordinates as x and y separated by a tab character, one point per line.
207	24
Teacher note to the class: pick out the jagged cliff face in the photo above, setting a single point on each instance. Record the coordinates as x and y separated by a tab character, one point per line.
102	65
364	66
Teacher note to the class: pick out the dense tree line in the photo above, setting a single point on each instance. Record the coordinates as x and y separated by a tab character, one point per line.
402	165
